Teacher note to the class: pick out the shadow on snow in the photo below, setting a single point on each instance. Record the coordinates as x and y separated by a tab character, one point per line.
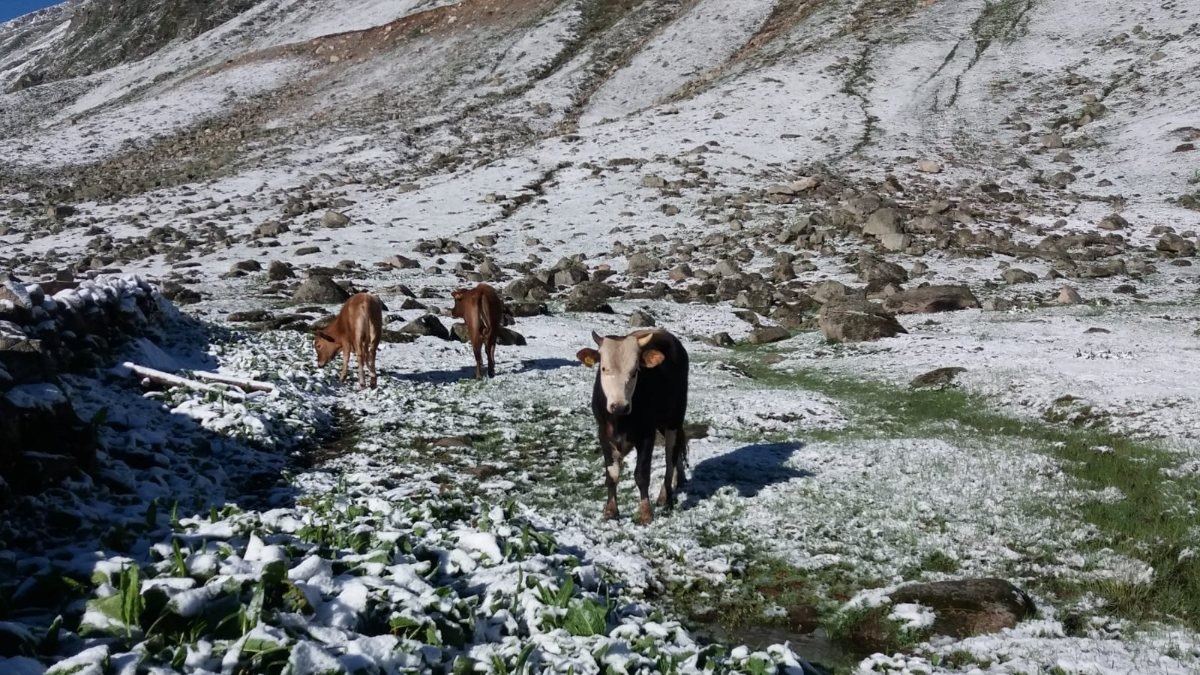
749	469
468	372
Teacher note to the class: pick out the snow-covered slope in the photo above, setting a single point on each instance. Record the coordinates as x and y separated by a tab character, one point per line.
721	167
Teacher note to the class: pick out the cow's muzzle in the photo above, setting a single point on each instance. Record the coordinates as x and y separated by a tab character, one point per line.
619	409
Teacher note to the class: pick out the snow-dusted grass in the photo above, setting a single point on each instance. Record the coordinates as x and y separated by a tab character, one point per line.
1150	519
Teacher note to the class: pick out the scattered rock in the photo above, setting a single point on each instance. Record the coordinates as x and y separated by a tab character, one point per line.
882	221
1051	141
1068	296
767	334
278	271
828	291
641	319
320	290
1016	275
428	325
590	296
930	299
723	339
856	320
1174	244
929	166
250	316
966	607
246	266
335	219
937	379
1113	222
641	264
401	263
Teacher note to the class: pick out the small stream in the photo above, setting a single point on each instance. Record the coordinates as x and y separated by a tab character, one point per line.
815	646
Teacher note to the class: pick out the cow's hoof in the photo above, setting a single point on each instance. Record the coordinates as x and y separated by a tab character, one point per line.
610	512
645	513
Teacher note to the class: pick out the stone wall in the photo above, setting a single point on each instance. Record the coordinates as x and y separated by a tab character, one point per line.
46	330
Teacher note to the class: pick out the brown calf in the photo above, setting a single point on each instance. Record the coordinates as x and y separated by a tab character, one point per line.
483	312
356	330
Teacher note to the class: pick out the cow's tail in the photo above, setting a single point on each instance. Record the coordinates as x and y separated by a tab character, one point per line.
485	319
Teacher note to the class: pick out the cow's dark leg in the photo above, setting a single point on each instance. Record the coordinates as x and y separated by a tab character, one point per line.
491	356
681	450
612	472
645	451
666	496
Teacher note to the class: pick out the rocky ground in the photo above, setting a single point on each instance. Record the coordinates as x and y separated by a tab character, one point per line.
934	262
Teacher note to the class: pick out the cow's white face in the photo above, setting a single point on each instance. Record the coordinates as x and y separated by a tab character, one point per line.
620	360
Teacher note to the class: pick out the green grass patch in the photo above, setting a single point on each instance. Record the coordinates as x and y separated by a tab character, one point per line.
1154	521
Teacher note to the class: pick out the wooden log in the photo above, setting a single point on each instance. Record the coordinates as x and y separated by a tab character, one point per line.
242	383
169	380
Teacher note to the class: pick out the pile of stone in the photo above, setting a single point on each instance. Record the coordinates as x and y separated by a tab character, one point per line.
46	330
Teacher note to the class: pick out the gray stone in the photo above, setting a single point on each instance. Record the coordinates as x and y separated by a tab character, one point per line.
320	290
1016	275
641	319
428	325
882	221
966	607
1068	296
929	299
856	320
767	334
641	264
335	219
401	263
246	266
938	378
1113	222
278	271
1174	244
590	296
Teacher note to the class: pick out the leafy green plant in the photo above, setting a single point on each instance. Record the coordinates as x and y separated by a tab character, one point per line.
131	597
585	618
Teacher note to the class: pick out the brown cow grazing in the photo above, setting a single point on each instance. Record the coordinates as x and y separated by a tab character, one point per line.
483	312
641	388
356	330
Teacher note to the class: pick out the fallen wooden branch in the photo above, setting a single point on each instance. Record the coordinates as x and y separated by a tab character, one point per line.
169	380
240	382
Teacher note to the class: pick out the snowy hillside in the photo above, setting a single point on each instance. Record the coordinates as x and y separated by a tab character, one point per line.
824	199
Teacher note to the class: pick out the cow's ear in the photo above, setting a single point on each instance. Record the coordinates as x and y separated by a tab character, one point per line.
598	338
325	336
588	357
457	295
651	358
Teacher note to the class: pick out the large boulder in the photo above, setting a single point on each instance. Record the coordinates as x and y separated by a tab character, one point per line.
930	299
856	320
320	290
428	325
967	607
882	222
590	296
879	273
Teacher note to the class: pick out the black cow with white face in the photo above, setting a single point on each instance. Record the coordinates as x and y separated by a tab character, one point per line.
641	389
